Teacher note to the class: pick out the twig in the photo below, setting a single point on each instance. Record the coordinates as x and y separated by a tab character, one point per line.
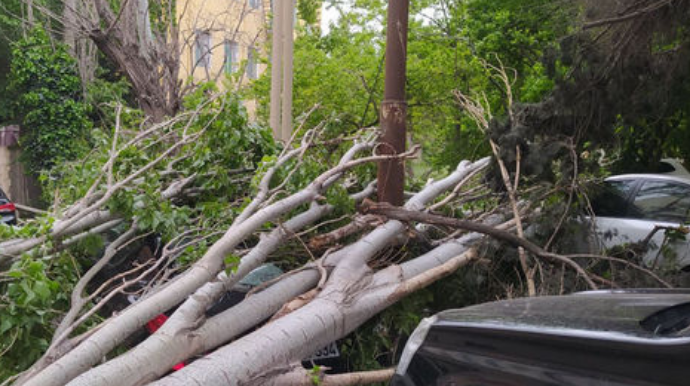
482	116
456	190
624	262
30	209
632	15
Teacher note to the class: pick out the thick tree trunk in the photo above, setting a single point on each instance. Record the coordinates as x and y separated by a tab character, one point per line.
148	59
179	342
352	295
324	301
113	332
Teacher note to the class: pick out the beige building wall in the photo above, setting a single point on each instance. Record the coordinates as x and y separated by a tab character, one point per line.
221	38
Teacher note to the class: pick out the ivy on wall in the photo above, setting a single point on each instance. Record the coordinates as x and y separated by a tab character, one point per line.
47	98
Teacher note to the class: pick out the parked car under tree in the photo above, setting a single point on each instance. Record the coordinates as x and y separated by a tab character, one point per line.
648	209
596	338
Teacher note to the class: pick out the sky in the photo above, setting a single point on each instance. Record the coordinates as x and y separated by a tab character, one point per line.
329	15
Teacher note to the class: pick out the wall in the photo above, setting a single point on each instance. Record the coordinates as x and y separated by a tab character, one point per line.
20	187
223	20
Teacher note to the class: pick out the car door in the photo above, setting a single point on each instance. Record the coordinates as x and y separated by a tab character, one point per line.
649	203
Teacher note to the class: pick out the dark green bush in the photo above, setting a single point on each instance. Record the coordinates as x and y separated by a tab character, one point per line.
47	94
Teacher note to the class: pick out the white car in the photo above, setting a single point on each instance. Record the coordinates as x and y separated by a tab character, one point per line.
631	206
673	166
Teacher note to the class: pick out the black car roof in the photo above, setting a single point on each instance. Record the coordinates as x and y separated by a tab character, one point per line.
617	313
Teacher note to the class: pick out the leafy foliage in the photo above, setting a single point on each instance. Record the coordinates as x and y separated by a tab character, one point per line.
577	94
228	145
342	71
624	96
36	289
10	27
47	90
308	10
36	292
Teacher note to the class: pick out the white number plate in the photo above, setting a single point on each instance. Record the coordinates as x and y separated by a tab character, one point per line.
329	351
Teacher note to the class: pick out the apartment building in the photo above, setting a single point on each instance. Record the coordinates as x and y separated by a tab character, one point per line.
221	38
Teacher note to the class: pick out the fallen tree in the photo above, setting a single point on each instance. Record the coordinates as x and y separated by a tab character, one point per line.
348	266
225	201
336	286
188	333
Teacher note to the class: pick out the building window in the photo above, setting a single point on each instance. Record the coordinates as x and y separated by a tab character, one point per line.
232	56
252	72
202	49
254	3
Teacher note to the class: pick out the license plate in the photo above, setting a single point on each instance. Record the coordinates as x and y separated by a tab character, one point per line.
329	351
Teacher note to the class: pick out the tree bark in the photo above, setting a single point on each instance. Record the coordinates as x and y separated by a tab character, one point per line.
391	175
517	241
118	328
179	341
302	377
352	295
150	64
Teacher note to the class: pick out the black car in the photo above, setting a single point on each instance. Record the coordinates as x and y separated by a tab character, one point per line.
612	338
8	212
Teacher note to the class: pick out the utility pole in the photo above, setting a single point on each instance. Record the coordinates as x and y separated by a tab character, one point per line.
288	51
391	174
282	69
276	67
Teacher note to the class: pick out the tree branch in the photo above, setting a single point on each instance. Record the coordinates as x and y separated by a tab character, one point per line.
401	214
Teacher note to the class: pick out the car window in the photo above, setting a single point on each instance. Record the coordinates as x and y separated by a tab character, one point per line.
663	201
665	167
610	199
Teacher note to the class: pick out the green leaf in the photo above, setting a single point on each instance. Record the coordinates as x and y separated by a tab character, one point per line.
231	263
5	325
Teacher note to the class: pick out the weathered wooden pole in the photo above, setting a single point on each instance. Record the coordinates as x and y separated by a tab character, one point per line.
391	174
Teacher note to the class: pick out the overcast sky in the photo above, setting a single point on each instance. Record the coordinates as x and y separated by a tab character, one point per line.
329	15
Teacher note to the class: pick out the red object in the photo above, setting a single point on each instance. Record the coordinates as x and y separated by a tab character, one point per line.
10	208
153	325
